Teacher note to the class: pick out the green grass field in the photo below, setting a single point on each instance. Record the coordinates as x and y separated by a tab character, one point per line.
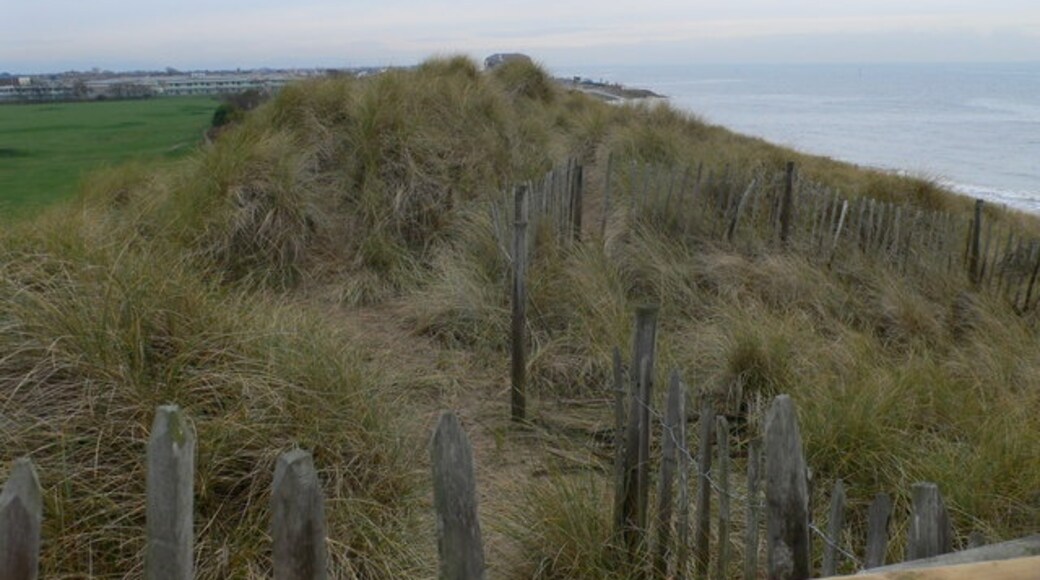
45	149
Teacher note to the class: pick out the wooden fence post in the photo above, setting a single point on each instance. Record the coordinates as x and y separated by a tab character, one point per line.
835	523
297	519
518	394
455	500
169	484
606	199
837	232
787	494
577	192
683	524
21	517
669	445
974	248
929	533
787	209
722	480
753	478
643	346
702	529
877	531
731	232
620	464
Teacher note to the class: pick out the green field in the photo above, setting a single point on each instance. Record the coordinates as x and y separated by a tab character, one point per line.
46	148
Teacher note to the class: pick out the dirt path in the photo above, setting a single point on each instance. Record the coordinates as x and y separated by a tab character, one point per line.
430	378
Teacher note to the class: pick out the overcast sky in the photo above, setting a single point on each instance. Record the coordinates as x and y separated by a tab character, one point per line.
55	35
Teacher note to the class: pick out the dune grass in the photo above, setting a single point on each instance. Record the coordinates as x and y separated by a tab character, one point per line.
217	283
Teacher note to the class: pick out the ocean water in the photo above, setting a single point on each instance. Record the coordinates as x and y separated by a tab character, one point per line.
975	127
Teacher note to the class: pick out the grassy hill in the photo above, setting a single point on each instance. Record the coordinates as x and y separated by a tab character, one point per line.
327	275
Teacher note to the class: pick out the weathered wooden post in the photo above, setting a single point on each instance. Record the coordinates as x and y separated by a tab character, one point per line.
297	519
753	478
459	540
683	523
974	249
620	465
606	199
21	517
519	348
577	192
170	501
787	494
787	208
837	232
877	531
835	523
722	447
929	533
669	445
702	529
731	231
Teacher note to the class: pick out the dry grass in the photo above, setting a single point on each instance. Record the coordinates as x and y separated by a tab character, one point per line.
195	285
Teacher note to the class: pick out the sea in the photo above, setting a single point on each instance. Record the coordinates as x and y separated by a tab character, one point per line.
973	127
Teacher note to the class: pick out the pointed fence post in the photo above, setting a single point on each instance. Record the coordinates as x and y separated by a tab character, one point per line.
974	249
577	192
835	523
753	480
787	494
702	529
298	519
669	445
170	502
929	533
787	209
683	524
21	516
722	477
518	391
459	540
877	531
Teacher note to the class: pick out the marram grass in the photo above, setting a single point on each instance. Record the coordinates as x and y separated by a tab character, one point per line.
220	282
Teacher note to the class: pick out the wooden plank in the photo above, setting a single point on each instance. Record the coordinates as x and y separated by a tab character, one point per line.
722	480
518	359
702	524
975	246
751	530
577	193
459	540
298	519
732	231
170	502
1018	569
1013	549
787	494
835	523
620	466
787	206
643	347
837	233
669	445
878	517
606	197
928	534
21	520
683	523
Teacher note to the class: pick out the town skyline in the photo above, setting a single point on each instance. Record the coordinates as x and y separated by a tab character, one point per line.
59	35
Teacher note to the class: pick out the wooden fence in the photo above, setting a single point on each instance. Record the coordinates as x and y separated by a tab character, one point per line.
754	209
298	529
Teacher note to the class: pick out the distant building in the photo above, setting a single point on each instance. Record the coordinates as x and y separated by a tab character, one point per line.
504	57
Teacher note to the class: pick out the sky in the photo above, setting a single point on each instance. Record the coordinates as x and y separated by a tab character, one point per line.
58	35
